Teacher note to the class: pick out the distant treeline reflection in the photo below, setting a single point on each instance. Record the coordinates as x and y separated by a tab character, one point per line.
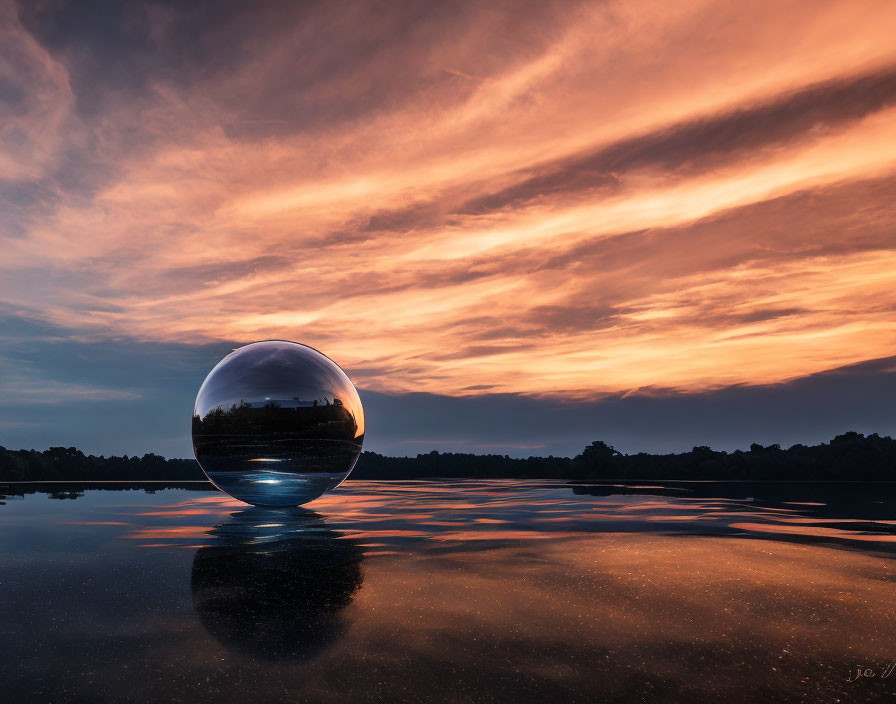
851	456
314	420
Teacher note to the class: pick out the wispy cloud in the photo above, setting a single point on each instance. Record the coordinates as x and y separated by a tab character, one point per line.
570	199
48	391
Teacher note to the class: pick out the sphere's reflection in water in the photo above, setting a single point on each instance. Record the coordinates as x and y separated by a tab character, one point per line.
277	423
274	583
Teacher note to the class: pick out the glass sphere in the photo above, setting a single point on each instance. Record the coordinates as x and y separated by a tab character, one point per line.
277	423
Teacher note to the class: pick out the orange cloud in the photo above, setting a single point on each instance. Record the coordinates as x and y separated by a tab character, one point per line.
570	201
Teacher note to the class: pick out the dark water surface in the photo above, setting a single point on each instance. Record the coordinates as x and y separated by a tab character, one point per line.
476	591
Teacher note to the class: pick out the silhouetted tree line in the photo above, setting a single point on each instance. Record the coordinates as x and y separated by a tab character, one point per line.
70	464
851	456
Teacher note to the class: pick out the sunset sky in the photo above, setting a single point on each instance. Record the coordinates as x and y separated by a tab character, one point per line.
517	226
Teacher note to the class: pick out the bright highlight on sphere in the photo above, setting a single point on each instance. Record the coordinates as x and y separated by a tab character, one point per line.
277	423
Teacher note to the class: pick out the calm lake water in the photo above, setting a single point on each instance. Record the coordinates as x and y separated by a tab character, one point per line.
474	591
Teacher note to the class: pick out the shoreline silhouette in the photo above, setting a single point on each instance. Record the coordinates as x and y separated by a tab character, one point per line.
850	456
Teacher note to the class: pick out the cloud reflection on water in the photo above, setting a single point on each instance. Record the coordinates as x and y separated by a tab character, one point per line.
403	512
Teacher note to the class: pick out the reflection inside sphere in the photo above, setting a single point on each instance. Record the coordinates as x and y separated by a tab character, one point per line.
277	423
274	582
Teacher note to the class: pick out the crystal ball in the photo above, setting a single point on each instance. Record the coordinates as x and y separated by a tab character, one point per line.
277	423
